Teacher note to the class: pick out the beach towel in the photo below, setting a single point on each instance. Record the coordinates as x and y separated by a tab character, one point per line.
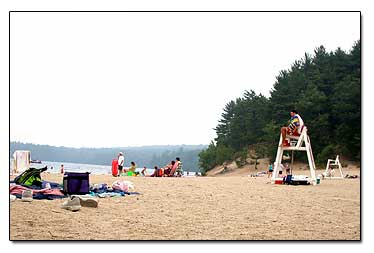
110	194
17	190
173	169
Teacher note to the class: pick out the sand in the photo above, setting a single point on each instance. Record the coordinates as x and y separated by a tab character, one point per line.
199	208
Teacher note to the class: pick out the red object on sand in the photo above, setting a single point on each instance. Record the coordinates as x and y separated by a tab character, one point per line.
115	168
279	181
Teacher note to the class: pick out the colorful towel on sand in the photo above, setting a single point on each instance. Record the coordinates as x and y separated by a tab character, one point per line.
55	193
111	193
52	185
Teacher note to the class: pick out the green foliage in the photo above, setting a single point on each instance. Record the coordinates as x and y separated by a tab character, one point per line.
223	153
326	91
328	152
207	158
214	155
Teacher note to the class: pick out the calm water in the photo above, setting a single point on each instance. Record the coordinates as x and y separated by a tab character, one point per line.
54	167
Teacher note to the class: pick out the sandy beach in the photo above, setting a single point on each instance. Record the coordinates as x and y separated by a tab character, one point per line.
199	208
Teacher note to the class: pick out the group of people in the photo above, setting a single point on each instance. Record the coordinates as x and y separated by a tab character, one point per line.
121	160
174	168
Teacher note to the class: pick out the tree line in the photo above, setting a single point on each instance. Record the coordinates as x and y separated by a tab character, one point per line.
325	88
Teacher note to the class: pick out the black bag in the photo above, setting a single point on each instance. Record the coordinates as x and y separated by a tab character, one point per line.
76	183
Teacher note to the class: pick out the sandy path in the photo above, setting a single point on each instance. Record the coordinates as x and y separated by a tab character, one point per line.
213	208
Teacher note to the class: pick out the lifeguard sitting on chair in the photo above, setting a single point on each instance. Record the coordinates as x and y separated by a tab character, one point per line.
294	128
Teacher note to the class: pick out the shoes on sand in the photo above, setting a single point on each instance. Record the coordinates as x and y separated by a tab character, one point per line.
75	202
27	195
86	201
72	205
12	198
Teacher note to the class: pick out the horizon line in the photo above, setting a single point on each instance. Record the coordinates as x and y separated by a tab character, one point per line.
112	147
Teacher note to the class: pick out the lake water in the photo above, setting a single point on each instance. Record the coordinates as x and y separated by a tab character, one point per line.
54	167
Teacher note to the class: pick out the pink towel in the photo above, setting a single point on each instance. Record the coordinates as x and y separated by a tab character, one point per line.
17	189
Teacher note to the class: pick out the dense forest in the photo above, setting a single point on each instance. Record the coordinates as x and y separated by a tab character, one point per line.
148	156
325	88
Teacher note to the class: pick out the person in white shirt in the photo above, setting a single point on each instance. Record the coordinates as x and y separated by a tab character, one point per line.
121	160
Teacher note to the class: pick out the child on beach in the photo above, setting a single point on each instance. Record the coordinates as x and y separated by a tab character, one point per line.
144	171
270	169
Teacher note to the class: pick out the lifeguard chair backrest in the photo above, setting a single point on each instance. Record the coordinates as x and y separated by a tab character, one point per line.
337	159
303	134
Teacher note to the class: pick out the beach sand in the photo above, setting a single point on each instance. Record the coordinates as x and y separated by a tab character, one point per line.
199	208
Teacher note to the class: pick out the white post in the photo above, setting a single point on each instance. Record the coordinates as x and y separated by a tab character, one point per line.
340	166
310	159
327	167
278	160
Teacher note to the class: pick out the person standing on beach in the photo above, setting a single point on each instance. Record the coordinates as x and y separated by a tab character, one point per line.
121	160
179	167
62	169
270	169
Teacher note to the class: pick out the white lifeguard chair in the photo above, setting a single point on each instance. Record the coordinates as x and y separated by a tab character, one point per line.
330	169
296	146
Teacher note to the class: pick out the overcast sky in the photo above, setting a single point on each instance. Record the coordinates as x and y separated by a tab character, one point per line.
133	79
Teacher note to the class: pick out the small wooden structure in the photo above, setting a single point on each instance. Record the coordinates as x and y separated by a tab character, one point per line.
330	169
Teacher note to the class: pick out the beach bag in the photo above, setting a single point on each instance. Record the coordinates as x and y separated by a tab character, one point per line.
124	186
30	177
76	183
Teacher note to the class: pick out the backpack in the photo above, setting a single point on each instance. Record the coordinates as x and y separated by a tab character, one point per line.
30	177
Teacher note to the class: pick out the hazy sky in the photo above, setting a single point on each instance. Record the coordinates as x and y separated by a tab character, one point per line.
131	79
